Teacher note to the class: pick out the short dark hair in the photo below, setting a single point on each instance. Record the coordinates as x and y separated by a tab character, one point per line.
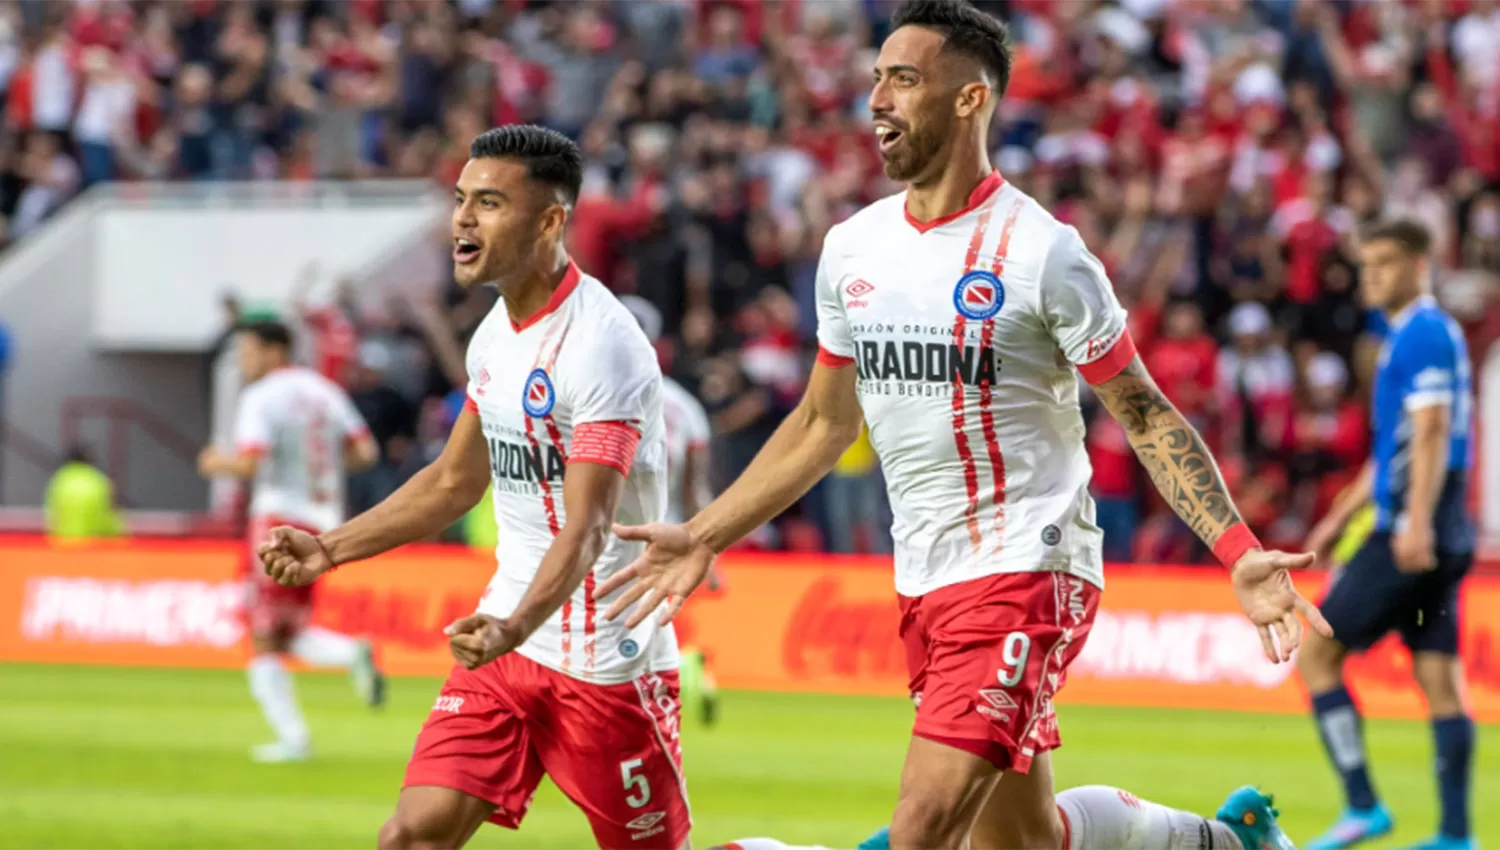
269	332
966	30
550	157
1412	236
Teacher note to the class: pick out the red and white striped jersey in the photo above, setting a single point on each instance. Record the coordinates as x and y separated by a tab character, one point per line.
965	332
577	382
299	422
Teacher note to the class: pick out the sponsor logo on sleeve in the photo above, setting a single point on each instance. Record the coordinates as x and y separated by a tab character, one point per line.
1099	346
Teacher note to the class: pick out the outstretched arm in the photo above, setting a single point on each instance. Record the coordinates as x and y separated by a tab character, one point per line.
1188	478
432	500
1079	307
1172	451
802	450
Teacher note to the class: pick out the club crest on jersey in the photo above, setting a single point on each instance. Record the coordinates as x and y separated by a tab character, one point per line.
538	397
979	295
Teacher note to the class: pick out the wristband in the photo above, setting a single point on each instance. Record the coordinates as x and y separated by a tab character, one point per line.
1232	545
318	539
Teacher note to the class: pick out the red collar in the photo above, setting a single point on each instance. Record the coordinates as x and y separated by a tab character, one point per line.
987	187
559	295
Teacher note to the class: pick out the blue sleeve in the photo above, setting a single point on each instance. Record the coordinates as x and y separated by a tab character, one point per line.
1429	365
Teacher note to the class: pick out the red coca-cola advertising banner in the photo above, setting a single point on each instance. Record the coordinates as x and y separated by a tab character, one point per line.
1165	636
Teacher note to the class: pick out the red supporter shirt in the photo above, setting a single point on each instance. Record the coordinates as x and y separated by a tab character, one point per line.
1185	369
1478	129
1344	433
601	224
1306	244
1113	459
334	342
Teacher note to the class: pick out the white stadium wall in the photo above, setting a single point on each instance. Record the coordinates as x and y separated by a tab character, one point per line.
116	300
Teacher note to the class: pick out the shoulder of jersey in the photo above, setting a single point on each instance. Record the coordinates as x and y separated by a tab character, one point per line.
608	322
1426	319
324	381
1434	321
600	307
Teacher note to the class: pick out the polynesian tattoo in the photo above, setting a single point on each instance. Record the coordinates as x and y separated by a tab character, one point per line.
1170	448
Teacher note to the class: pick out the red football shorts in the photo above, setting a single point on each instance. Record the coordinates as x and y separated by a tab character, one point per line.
613	749
987	656
271	609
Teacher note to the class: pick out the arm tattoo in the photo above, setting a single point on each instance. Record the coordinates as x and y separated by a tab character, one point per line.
1169	447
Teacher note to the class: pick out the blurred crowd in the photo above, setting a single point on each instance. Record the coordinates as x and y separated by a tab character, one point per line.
1220	156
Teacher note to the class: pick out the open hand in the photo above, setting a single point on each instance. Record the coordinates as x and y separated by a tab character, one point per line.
292	557
1264	588
478	639
670	569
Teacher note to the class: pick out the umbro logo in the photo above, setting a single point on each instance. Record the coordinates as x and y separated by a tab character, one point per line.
997	705
647	820
997	698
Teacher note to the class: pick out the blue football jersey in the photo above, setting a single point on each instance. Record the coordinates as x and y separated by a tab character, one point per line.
1424	361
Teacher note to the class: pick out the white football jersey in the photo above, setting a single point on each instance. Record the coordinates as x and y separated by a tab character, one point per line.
687	431
966	332
582	359
300	422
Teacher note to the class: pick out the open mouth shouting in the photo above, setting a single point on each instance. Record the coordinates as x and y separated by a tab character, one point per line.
465	250
888	136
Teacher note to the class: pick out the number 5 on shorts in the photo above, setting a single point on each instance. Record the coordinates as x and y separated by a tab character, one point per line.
1013	654
636	784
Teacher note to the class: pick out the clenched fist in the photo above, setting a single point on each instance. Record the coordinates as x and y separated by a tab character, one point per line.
478	639
293	557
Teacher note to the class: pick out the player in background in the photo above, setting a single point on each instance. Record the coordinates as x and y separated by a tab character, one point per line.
564	423
953	317
297	437
1406	576
688	490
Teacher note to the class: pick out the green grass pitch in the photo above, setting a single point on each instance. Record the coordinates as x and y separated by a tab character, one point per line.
95	758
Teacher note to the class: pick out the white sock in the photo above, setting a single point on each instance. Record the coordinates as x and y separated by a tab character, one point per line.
271	686
324	648
760	844
1103	818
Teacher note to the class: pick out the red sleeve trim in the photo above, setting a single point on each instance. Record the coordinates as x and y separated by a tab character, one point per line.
697	445
1112	362
833	361
1232	545
252	449
356	435
606	443
471	405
